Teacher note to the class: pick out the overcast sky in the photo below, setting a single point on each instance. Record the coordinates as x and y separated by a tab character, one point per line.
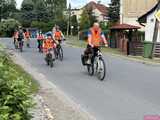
74	3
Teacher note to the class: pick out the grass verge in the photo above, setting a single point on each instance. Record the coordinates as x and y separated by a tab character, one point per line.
16	90
73	41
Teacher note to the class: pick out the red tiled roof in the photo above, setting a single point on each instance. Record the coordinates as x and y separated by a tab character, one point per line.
102	8
124	27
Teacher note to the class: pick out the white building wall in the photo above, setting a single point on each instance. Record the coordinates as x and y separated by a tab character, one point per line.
150	26
158	40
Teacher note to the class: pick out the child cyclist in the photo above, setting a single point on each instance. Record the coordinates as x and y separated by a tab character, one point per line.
49	45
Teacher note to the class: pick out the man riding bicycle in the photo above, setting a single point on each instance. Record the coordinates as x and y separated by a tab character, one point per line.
21	36
95	37
58	35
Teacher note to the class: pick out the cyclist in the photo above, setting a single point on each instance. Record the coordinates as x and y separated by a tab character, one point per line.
40	38
27	37
21	36
15	37
58	35
95	37
49	44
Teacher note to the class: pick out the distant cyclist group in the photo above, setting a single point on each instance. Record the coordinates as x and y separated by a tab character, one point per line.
50	45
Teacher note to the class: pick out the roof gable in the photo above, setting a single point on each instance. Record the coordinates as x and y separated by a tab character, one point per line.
143	18
102	8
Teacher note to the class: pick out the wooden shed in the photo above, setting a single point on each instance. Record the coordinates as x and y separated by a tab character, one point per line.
125	37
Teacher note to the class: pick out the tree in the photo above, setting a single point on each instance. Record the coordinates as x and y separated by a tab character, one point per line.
7	8
27	5
7	27
92	17
41	12
87	18
28	15
84	20
114	11
56	7
74	23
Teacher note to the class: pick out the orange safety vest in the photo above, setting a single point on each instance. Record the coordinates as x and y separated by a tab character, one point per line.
48	44
40	37
96	37
58	35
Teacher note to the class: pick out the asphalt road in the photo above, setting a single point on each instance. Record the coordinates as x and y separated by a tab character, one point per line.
130	91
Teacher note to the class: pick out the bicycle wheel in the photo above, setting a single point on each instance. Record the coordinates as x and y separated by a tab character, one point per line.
51	63
60	52
21	46
101	69
50	59
90	69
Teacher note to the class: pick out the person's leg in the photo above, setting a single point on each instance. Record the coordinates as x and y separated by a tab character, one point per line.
28	42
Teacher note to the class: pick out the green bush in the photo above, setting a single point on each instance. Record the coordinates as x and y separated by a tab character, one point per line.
15	91
8	26
47	26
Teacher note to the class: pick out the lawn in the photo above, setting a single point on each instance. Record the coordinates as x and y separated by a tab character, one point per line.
73	41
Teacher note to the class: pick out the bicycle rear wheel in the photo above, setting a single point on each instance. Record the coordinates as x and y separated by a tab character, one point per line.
60	52
21	46
90	69
101	69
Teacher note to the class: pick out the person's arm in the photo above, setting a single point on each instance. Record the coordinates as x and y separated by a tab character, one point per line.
62	35
24	35
104	39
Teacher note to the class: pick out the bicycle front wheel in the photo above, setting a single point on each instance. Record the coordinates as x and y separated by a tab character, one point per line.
101	69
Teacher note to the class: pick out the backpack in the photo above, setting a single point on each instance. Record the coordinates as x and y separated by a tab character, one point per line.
20	35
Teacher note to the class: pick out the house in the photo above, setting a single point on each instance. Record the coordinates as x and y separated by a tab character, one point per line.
99	10
130	10
152	29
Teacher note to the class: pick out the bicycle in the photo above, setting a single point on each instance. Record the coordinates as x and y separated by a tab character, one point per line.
49	58
16	43
97	65
40	46
59	52
20	45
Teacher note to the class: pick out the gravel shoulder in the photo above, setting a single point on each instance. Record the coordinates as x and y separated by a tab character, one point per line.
52	103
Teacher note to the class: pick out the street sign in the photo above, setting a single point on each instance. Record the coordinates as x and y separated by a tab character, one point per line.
158	15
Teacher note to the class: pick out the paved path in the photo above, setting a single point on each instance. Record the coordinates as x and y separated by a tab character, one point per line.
130	91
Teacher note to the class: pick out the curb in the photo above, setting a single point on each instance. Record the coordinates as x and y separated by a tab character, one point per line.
46	85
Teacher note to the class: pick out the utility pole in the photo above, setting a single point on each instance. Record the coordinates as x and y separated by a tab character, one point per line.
69	19
155	35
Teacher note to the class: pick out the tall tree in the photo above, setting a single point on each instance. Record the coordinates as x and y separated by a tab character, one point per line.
28	14
41	12
87	18
114	11
74	23
84	20
7	8
56	7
